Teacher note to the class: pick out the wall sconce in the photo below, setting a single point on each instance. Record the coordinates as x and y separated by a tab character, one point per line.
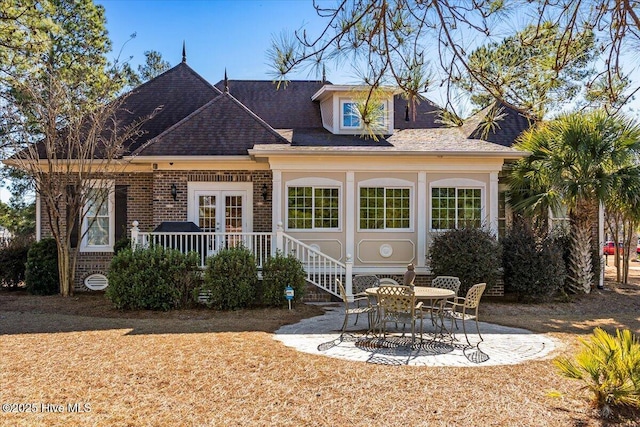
265	192
174	192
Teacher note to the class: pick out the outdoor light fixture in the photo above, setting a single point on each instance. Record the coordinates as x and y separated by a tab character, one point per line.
174	192
265	192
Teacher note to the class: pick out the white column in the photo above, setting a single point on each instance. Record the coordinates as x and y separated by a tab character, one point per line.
276	210
276	199
493	203
350	214
421	216
601	243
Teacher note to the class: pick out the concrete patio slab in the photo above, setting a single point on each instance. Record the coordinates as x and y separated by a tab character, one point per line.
501	345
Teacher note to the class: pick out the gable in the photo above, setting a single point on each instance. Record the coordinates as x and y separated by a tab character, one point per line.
222	127
176	94
507	128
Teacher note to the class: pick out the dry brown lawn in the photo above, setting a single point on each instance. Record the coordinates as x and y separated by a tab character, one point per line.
201	368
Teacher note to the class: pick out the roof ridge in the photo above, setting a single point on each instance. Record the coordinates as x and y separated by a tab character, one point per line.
172	69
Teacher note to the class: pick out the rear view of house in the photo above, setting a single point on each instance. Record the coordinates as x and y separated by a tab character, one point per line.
288	168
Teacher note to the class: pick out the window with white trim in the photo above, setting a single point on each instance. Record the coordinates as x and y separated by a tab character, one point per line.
384	208
454	207
98	222
350	115
311	207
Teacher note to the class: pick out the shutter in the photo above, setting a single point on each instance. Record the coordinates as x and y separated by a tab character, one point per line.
71	195
121	212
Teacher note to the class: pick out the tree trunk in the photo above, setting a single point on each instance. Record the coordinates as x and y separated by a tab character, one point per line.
580	261
66	271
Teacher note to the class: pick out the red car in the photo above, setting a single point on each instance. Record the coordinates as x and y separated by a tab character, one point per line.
609	248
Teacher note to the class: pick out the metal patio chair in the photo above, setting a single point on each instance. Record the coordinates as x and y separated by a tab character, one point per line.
397	304
358	310
465	308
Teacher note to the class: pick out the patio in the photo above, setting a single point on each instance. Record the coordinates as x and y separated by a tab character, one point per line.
501	345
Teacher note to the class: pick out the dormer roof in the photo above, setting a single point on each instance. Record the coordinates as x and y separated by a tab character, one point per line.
329	89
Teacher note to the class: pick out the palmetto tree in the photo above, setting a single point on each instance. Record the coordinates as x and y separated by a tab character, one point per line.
577	161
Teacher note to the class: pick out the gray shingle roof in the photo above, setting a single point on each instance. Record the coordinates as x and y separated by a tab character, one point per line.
436	141
287	107
221	127
507	128
178	92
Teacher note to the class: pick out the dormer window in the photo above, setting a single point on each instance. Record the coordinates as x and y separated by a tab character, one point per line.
342	113
350	115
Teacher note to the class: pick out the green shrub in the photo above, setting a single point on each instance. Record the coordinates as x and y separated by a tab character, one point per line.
610	368
533	270
121	244
41	274
279	272
13	262
471	254
231	279
153	279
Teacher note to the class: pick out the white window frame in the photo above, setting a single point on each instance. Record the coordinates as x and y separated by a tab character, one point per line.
111	204
314	183
385	117
343	102
458	184
388	183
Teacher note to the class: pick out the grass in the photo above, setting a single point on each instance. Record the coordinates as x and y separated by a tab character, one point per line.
201	367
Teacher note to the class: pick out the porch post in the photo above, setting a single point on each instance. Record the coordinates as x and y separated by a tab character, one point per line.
422	220
493	203
135	234
276	210
348	280
350	216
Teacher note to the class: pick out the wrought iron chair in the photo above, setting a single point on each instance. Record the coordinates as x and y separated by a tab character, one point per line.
358	310
364	281
388	281
398	304
465	308
443	282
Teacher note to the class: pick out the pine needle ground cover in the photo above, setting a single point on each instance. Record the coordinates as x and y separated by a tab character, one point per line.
202	367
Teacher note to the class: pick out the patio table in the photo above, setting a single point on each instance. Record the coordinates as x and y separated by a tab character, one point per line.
424	293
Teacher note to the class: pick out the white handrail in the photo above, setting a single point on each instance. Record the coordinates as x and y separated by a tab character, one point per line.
322	270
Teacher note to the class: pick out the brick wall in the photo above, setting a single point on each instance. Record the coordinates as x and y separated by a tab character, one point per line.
139	208
167	209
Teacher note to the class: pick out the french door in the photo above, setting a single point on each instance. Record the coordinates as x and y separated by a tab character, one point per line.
223	211
220	211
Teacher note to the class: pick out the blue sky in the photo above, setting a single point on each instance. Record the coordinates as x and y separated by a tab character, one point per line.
218	34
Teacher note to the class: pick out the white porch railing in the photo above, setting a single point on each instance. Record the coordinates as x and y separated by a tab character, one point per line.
321	269
204	243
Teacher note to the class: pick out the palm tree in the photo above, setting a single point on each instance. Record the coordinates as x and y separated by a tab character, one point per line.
577	161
